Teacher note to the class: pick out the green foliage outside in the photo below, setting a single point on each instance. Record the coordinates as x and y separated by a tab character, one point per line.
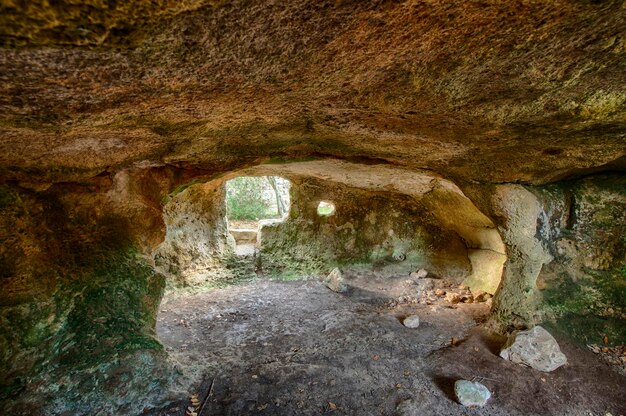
244	199
325	208
253	198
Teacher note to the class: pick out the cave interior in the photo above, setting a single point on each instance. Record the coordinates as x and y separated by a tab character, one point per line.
458	162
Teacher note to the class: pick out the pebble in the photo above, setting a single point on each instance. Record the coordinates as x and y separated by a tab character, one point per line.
424	285
615	356
412	321
440	292
480	296
484	297
467	299
471	393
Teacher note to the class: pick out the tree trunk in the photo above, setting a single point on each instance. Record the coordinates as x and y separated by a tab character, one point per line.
279	201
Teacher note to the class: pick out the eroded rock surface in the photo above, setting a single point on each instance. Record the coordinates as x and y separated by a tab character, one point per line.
566	254
468	90
445	132
78	302
197	238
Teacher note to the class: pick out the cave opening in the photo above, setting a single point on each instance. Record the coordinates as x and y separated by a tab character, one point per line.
252	201
395	220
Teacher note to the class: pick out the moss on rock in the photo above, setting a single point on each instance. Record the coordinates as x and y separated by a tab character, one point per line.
95	315
584	290
376	228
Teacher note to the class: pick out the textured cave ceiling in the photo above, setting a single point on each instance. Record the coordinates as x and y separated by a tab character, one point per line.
488	91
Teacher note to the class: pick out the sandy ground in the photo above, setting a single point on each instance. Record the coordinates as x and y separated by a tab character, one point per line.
297	348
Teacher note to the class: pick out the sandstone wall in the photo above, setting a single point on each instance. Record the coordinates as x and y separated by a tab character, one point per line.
197	239
584	227
79	295
383	229
565	246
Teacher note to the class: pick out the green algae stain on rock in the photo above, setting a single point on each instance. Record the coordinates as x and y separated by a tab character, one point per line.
589	308
368	228
77	308
112	311
584	290
108	313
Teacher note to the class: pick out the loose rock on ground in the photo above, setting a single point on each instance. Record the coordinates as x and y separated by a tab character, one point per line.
412	321
535	348
471	393
334	281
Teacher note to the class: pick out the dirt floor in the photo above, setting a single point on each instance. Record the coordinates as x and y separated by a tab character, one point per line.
297	348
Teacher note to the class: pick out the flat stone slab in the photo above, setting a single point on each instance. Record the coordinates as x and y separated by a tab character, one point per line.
245	249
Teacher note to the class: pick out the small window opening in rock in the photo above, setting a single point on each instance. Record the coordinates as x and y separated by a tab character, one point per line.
326	209
251	201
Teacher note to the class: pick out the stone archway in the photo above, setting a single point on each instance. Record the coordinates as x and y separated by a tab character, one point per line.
443	198
191	243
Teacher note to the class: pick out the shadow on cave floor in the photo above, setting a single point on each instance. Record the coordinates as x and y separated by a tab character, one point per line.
296	348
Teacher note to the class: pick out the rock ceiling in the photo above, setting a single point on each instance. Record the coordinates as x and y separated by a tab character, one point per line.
487	91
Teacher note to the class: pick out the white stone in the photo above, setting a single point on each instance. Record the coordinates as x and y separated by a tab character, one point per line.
412	321
535	348
420	274
334	281
471	393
